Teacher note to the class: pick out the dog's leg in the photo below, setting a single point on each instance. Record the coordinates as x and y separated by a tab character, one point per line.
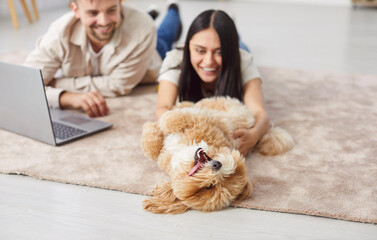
275	141
247	191
164	201
152	140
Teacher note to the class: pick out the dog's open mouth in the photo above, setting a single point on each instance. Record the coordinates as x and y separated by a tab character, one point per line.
200	159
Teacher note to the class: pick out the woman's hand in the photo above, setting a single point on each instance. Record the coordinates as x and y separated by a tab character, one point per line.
247	139
253	99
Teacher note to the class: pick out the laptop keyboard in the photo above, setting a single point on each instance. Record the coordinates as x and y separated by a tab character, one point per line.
64	131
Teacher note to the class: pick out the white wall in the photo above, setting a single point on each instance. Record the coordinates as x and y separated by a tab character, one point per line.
54	4
309	2
42	5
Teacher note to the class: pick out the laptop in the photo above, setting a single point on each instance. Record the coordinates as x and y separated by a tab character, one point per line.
24	109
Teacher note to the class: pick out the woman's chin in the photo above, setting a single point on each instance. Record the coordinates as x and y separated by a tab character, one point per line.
208	78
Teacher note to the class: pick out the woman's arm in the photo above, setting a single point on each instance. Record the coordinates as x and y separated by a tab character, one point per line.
167	96
253	99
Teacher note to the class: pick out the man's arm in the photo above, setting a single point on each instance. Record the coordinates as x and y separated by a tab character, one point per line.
47	56
122	78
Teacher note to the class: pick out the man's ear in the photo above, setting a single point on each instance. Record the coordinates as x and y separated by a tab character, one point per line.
248	189
164	201
75	9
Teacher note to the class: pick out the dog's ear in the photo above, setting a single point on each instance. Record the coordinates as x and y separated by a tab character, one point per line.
248	189
164	201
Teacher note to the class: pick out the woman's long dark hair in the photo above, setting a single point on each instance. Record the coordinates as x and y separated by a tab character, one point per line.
229	82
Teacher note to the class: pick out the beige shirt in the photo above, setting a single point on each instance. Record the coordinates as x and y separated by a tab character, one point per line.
173	59
128	59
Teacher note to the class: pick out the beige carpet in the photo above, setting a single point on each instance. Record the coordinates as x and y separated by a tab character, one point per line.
332	171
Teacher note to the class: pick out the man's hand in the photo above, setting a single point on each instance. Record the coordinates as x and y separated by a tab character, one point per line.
93	103
247	139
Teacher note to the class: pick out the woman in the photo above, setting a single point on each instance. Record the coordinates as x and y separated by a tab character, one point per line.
211	64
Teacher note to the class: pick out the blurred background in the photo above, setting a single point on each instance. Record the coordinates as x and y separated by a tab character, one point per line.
337	35
313	35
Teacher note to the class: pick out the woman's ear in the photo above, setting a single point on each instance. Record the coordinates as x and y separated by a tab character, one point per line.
164	201
248	189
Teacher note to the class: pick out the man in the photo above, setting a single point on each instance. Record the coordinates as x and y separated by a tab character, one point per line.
101	49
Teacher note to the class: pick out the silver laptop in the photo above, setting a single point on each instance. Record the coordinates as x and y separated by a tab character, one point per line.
24	109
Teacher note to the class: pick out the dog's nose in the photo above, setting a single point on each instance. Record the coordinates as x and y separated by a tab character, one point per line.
216	165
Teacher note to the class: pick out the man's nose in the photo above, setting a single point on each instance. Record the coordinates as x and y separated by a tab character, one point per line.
102	19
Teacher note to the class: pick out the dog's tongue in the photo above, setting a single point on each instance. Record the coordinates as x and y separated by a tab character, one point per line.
201	159
195	168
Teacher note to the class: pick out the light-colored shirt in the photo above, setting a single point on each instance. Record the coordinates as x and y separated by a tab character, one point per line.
171	72
94	59
128	59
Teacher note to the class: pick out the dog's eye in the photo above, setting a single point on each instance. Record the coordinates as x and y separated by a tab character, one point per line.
210	186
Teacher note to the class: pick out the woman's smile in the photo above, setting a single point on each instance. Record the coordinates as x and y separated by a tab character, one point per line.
205	53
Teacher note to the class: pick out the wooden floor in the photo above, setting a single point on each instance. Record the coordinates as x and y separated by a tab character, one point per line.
324	38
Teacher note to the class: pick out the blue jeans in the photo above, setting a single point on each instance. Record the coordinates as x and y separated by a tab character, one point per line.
167	32
242	45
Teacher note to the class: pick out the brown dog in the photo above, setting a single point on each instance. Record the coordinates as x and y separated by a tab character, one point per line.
193	144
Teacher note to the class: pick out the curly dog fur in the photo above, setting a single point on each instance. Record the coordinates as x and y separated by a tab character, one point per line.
193	144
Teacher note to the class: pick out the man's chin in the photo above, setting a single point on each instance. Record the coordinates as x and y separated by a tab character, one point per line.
103	37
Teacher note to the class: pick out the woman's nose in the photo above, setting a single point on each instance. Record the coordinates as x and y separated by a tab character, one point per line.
208	59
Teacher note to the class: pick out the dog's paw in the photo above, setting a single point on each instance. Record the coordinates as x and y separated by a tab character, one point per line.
152	140
157	207
276	141
164	201
176	121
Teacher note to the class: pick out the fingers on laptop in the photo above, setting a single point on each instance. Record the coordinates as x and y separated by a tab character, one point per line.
94	104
